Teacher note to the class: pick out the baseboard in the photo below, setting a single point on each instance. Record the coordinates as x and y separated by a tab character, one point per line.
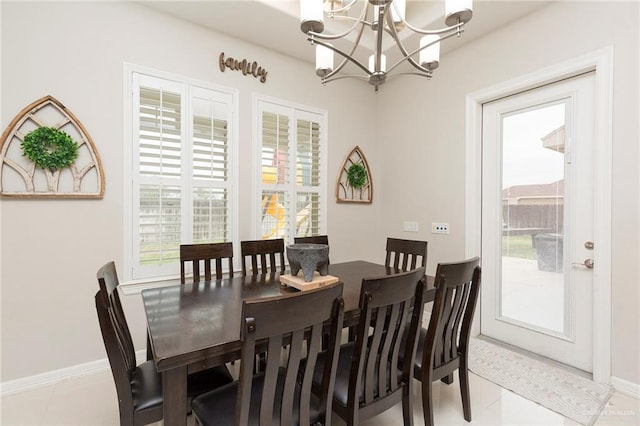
51	377
626	387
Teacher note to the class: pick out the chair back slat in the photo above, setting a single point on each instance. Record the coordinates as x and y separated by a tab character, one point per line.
296	320
266	256
385	304
315	346
108	283
206	254
120	370
315	239
405	255
270	380
247	360
451	331
385	351
403	314
125	341
375	363
293	364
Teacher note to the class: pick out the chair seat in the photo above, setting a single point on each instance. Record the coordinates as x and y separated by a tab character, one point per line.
146	387
341	386
217	407
146	384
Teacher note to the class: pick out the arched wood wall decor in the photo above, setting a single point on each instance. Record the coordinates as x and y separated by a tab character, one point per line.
20	177
345	193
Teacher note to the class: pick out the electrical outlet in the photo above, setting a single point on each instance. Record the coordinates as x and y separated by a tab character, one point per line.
439	228
411	226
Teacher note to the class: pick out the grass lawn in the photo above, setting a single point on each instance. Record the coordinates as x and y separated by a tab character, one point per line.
518	246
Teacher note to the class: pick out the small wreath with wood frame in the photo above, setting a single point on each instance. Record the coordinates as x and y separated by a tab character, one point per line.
356	175
50	148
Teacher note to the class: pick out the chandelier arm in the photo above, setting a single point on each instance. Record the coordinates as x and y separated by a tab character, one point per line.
350	55
358	21
456	27
340	77
344	8
343	54
406	56
391	77
409	56
346	57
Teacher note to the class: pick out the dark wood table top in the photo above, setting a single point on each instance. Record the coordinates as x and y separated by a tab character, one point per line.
198	324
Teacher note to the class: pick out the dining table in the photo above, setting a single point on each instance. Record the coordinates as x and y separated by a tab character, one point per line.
195	326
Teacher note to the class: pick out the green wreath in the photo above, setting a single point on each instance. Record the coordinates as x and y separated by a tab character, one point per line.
357	175
50	148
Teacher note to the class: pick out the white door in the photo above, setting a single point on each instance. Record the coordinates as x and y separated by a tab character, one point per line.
538	221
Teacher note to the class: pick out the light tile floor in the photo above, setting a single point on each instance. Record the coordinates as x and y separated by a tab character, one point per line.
91	400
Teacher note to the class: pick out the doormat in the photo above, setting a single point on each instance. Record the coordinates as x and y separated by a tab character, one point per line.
571	395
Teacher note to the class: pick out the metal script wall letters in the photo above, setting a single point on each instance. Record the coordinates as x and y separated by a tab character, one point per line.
247	68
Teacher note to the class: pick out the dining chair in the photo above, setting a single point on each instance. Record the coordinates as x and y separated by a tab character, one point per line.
139	387
266	256
368	380
206	253
401	256
281	395
404	255
444	346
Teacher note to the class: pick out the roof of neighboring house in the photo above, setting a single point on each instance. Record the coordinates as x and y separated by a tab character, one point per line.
555	139
539	190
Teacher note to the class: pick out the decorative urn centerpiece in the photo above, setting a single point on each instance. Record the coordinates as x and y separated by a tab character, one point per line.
309	258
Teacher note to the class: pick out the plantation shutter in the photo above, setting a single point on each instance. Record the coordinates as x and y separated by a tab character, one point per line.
292	177
211	166
308	178
182	176
160	171
275	178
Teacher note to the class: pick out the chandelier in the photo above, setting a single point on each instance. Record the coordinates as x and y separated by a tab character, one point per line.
381	17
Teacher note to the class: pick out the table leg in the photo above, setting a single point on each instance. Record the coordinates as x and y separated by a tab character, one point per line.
174	394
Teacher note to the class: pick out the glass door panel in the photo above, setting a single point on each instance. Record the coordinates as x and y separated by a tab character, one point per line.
532	293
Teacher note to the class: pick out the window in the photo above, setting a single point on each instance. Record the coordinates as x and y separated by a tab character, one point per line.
181	173
291	177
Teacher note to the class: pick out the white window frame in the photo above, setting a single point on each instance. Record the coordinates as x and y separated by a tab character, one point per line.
131	273
294	111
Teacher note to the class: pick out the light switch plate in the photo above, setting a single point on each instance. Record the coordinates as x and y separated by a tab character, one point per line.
410	226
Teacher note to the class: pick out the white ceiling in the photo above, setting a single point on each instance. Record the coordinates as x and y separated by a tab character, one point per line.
274	24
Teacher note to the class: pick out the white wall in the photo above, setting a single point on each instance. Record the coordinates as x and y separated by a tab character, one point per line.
429	146
51	249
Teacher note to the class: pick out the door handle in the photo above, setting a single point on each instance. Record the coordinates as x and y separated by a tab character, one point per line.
588	263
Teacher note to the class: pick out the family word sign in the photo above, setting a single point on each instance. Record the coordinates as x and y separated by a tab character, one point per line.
247	68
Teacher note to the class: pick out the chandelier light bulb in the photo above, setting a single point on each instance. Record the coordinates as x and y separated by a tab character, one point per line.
324	60
383	63
430	56
398	10
457	11
311	16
